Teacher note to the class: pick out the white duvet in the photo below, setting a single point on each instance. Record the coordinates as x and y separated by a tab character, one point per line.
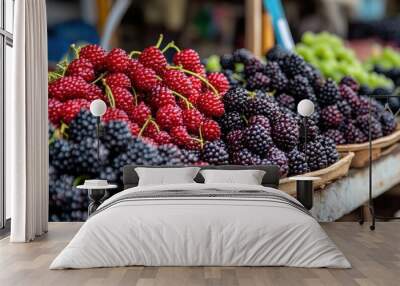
200	231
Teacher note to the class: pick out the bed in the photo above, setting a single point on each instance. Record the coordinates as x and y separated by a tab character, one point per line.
198	224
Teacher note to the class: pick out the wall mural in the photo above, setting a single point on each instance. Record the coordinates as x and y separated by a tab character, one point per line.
235	109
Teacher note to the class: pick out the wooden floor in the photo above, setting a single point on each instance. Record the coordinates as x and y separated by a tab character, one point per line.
375	257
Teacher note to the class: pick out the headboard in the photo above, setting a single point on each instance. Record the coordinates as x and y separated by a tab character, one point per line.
271	177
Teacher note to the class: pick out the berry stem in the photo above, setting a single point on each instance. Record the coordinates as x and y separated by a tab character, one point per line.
198	140
252	94
51	140
109	94
62	133
135	97
237	77
54	136
75	50
131	54
171	45
160	39
155	125
189	105
144	126
198	76
62	65
62	68
201	138
52	76
100	77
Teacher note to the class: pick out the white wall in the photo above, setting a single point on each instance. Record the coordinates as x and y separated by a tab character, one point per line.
8	86
9	25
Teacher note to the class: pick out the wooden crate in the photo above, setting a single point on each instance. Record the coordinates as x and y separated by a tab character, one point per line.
327	175
380	147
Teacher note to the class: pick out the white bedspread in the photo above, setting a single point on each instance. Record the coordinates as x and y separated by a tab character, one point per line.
200	231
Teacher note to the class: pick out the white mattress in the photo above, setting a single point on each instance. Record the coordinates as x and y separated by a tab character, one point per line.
200	231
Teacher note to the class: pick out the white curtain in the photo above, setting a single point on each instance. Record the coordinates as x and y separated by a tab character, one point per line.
26	124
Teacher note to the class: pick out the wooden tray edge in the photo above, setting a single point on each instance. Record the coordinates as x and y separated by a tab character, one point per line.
285	183
378	143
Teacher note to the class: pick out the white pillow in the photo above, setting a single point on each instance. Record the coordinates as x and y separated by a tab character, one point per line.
248	177
166	176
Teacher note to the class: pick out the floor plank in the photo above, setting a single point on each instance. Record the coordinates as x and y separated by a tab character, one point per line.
375	257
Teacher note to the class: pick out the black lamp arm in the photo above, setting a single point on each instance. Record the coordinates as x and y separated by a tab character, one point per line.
305	193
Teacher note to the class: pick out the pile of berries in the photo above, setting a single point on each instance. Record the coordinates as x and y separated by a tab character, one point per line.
261	125
340	109
162	113
158	113
275	87
259	130
344	113
163	103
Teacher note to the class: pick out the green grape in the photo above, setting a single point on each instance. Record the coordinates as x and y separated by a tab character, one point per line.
305	52
386	64
308	38
337	76
396	61
388	54
345	68
368	65
213	64
373	81
239	67
328	66
385	81
336	42
318	50
324	53
387	58
365	76
338	50
309	56
324	36
314	62
301	47
359	74
343	55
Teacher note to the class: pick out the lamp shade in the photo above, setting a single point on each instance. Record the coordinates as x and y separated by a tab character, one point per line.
98	107
305	107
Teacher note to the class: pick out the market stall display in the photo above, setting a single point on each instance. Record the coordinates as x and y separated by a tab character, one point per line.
169	105
291	80
162	113
341	109
178	113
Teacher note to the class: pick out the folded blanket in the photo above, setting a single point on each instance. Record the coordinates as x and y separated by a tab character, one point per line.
201	224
